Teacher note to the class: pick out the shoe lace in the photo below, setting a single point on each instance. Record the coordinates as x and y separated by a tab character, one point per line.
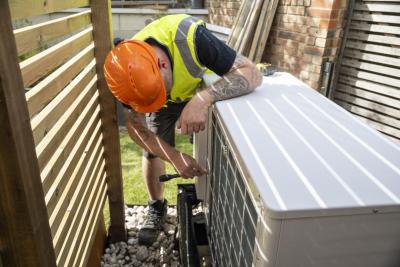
153	216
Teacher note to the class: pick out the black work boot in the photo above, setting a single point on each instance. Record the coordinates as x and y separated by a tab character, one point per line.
154	223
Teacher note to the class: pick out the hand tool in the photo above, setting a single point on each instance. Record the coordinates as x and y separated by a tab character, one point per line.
167	177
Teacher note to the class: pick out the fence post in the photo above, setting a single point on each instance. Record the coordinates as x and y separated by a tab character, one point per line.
25	238
108	112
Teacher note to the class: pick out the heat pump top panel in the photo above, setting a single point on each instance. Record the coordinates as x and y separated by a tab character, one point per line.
309	157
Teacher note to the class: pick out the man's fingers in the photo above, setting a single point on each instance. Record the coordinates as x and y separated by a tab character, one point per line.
183	128
196	128
202	127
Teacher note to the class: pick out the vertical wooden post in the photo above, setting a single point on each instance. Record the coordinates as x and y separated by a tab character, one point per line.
108	112
25	238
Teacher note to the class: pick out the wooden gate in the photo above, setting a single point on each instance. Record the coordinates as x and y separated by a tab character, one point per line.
368	84
59	141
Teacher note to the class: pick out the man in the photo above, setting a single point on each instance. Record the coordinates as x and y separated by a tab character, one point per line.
155	75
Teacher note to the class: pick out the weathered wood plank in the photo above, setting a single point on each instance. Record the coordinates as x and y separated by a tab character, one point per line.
375	28
263	29
102	36
376	18
374	48
388	101
88	217
41	94
45	119
368	104
386	129
370	76
28	8
386	40
40	35
87	170
97	250
41	64
352	53
24	228
89	233
386	7
395	72
371	114
55	148
371	86
61	223
66	179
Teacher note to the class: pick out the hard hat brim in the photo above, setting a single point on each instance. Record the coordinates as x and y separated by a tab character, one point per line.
157	104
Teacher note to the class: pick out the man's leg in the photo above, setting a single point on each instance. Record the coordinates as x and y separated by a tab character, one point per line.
152	169
161	123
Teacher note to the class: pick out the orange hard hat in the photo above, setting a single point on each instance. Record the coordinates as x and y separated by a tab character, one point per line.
133	75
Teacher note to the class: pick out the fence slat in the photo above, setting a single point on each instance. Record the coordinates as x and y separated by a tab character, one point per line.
55	148
112	152
375	28
371	67
94	156
378	88
69	250
387	7
72	168
372	57
28	8
370	76
24	229
65	231
39	35
392	132
44	121
89	234
374	48
386	40
373	96
368	104
41	64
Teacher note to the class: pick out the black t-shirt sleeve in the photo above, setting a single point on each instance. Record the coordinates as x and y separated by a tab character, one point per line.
213	53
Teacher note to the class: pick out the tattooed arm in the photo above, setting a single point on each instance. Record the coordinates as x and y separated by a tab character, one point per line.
242	79
184	164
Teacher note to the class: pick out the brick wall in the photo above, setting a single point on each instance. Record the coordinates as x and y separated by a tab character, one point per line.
304	34
222	12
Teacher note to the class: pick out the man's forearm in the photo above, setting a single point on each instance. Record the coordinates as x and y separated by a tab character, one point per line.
147	139
242	79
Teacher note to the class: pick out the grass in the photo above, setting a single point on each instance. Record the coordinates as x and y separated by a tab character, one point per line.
134	186
135	191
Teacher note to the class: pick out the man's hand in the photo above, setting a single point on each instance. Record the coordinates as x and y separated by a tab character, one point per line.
187	166
194	115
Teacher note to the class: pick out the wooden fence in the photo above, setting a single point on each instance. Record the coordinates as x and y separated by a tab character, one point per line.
59	145
369	81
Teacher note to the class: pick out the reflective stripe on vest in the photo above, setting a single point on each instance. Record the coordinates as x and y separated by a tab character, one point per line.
183	46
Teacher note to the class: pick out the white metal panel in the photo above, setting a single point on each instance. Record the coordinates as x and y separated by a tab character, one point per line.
307	155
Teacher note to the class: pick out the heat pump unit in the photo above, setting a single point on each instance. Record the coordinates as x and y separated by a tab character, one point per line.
295	180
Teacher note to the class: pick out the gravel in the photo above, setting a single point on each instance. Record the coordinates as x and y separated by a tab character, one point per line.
130	254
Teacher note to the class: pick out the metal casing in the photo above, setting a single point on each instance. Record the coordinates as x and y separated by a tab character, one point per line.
320	187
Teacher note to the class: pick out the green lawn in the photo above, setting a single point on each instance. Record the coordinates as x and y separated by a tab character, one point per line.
134	187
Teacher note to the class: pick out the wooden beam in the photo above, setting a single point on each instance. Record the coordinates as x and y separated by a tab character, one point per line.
24	228
108	110
97	249
28	8
39	35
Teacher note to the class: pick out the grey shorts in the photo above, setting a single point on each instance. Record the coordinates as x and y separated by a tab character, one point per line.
162	123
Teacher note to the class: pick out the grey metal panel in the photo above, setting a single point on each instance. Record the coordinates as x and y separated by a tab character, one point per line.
307	156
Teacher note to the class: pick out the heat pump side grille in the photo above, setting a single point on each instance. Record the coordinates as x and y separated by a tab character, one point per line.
232	214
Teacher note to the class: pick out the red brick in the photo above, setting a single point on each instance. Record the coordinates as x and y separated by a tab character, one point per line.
317	60
310	40
296	10
323	13
282	10
331	4
328	23
307	3
320	42
293	27
315	51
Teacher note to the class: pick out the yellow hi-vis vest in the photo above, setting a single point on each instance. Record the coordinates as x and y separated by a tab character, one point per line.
177	34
